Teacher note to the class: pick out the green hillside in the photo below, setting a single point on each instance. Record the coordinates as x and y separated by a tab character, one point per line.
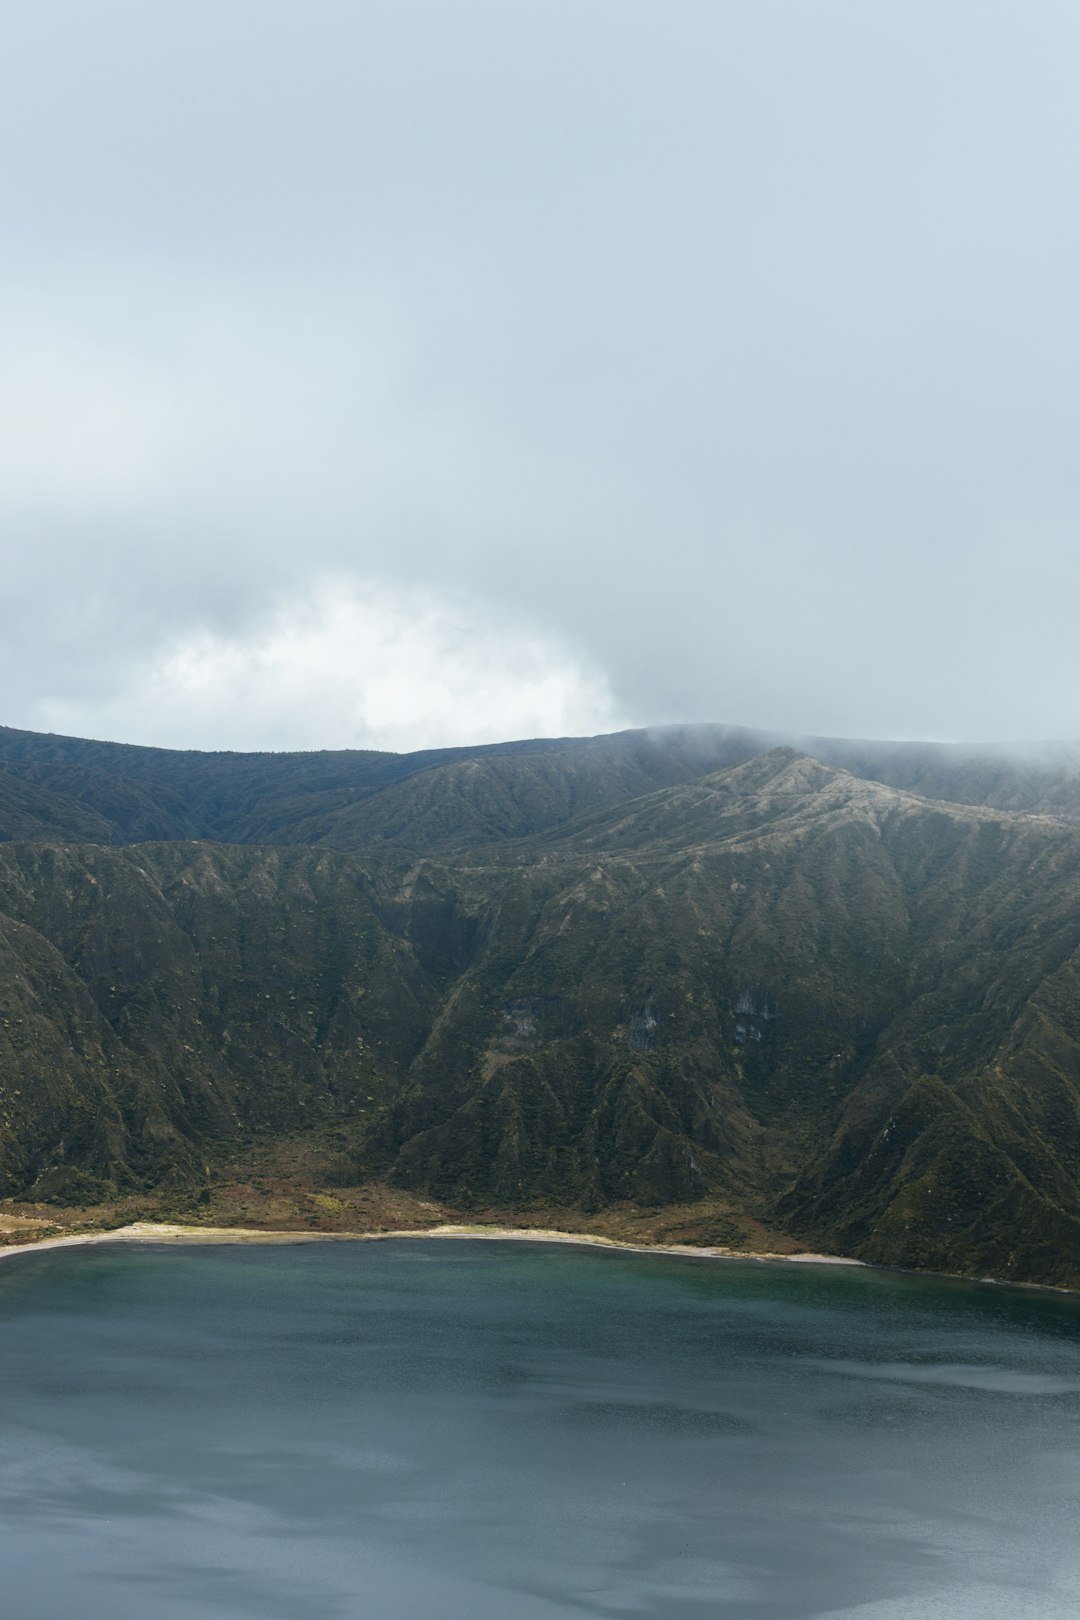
647	970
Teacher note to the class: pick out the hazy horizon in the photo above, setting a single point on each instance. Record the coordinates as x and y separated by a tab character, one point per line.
1020	748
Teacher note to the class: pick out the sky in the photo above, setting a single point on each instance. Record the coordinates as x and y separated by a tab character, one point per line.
399	373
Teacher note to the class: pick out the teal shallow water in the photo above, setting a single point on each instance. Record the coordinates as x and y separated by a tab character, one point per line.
422	1430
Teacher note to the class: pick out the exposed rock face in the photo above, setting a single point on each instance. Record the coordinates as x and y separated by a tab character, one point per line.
585	972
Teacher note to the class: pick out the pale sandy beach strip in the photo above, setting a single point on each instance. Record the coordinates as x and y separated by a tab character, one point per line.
154	1232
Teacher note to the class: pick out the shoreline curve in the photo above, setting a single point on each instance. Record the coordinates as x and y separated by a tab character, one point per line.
170	1232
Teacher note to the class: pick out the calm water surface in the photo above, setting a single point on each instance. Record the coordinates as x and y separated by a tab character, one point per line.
419	1430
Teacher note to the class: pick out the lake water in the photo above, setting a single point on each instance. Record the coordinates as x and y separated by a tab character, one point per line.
426	1430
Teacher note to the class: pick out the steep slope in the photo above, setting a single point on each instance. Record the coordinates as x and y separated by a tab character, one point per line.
30	811
783	983
829	1001
157	1003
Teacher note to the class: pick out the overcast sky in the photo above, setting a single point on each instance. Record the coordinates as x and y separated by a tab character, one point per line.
436	371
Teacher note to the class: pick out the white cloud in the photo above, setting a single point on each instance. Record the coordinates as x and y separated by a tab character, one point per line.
172	498
348	665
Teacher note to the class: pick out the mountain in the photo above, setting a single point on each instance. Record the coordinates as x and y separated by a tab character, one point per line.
672	968
455	798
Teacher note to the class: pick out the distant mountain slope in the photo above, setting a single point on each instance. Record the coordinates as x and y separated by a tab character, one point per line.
845	1007
453	799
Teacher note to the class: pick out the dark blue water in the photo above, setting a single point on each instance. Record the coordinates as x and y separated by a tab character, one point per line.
420	1430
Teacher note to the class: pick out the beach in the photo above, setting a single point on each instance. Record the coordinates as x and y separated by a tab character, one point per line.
170	1232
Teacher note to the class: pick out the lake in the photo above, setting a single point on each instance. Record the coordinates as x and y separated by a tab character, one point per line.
431	1430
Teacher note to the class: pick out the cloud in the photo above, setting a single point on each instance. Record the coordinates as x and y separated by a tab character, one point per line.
349	665
728	366
166	492
174	497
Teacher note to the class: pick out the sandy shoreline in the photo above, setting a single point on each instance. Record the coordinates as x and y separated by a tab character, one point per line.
165	1232
169	1232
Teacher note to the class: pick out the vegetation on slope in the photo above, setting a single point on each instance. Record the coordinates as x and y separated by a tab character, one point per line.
776	990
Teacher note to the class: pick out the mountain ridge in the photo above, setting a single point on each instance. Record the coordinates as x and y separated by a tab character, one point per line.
818	1001
449	798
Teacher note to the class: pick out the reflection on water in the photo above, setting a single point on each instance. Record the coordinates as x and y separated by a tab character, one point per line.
526	1432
